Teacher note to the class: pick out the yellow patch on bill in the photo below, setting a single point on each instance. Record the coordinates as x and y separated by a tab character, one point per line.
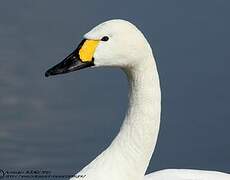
87	50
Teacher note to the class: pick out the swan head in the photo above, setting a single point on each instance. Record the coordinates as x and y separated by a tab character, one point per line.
112	43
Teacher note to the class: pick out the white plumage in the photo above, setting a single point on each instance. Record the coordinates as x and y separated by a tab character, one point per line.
186	174
128	156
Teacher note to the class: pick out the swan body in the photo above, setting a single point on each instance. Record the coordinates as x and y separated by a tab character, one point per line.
186	174
119	43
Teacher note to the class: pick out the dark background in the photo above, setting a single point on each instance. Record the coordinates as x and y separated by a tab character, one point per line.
64	122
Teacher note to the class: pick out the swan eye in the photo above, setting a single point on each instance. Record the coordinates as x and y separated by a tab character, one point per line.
105	38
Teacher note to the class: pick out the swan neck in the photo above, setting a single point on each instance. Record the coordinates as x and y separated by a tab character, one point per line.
138	134
129	154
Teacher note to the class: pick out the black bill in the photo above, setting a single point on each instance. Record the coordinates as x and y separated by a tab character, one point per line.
69	64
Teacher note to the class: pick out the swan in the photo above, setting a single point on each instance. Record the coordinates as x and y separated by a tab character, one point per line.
119	43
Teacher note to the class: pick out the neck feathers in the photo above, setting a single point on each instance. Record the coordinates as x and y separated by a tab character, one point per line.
138	134
129	154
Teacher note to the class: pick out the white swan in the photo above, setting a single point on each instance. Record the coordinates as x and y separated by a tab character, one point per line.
119	43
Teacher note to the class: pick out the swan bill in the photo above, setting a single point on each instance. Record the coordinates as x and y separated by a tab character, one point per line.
80	58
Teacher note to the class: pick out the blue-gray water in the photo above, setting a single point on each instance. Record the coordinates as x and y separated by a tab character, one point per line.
62	123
